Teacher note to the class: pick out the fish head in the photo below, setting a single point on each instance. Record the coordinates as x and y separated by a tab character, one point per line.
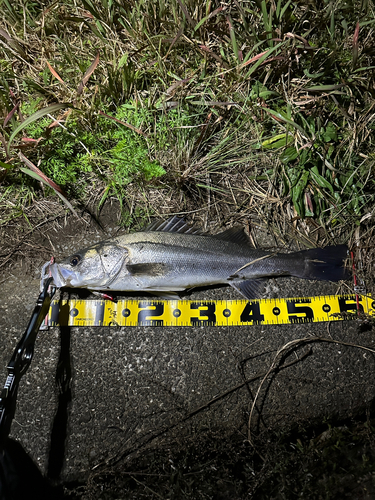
93	267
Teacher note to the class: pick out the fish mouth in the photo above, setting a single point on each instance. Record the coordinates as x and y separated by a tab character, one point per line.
61	277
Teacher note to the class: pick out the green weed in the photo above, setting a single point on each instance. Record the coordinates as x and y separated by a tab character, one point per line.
116	153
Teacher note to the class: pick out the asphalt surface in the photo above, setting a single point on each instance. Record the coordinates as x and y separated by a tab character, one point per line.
122	389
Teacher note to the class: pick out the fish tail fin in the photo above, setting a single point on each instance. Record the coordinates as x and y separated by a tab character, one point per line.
323	264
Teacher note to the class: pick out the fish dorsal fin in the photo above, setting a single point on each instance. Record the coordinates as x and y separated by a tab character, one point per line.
179	225
234	235
173	225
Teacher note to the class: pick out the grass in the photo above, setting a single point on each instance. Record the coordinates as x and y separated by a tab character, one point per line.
282	92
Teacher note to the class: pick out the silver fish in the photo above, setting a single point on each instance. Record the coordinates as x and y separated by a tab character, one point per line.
170	257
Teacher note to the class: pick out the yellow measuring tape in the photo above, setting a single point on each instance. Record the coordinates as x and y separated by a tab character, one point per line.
209	313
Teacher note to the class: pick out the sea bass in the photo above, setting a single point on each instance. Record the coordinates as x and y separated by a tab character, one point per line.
170	257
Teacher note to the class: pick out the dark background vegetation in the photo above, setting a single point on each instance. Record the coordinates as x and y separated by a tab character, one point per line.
255	112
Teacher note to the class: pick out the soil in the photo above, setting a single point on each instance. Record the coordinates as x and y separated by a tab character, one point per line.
97	401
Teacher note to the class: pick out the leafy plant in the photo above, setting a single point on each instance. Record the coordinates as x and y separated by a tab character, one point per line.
67	156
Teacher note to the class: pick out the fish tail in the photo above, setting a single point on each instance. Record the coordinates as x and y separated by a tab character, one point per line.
323	263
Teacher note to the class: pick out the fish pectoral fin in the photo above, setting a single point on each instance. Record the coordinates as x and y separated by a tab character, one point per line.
148	269
249	288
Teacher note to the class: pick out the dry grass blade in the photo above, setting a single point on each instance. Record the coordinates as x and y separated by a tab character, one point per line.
262	58
325	88
41	176
215	56
27	141
233	39
135	129
33	118
178	84
60	118
209	16
253	59
280	118
186	13
11	113
5	35
355	45
13	43
15	100
54	72
175	39
87	75
36	173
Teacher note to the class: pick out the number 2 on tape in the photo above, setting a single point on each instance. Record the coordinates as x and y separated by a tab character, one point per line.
145	316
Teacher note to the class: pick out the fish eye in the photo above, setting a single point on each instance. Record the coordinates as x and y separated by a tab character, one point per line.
75	260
